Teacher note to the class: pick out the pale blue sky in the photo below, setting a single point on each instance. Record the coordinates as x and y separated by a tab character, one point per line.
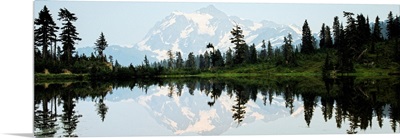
126	23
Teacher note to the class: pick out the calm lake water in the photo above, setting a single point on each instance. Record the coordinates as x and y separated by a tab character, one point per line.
215	106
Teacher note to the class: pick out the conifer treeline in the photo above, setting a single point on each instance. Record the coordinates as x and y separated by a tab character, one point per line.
355	43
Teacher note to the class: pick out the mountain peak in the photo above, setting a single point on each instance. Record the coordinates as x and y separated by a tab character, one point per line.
190	32
212	10
210	7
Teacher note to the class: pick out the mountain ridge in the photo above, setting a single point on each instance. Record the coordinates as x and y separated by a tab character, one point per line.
191	32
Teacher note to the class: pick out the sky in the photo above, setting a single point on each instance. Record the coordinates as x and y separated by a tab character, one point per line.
125	23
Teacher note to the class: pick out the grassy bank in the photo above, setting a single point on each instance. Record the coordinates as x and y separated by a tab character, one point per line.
308	68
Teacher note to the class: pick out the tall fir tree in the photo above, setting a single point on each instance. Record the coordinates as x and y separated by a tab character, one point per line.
101	45
376	34
328	38
263	53
179	60
238	41
219	60
336	32
212	54
270	52
288	50
190	63
363	31
322	37
229	58
396	28
396	36
146	62
44	34
69	34
253	54
170	59
349	49
390	25
207	58
201	62
307	46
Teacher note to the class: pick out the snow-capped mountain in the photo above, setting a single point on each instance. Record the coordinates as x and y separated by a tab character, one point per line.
191	32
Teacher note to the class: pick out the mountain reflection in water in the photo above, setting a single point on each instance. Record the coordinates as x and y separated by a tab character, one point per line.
215	106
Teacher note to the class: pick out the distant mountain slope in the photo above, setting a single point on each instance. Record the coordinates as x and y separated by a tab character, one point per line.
191	32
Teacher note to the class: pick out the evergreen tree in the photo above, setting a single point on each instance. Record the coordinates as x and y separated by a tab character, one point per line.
202	63
146	62
396	28
307	46
170	59
363	31
117	66
288	50
69	34
396	34
238	41
219	61
111	59
322	37
212	54
44	34
190	63
341	37
247	53
179	60
376	34
328	38
347	51
207	60
229	58
253	54
263	53
270	52
390	26
101	45
336	32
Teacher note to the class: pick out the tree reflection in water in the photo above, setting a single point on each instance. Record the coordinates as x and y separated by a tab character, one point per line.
352	99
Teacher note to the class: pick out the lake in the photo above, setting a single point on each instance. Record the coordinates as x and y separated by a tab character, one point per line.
218	106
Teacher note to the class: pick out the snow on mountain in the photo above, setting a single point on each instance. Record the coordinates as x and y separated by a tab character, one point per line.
191	32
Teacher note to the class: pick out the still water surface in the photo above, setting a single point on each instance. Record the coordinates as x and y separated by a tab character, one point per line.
235	106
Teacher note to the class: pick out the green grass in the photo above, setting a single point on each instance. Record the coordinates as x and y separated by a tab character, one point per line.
305	68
